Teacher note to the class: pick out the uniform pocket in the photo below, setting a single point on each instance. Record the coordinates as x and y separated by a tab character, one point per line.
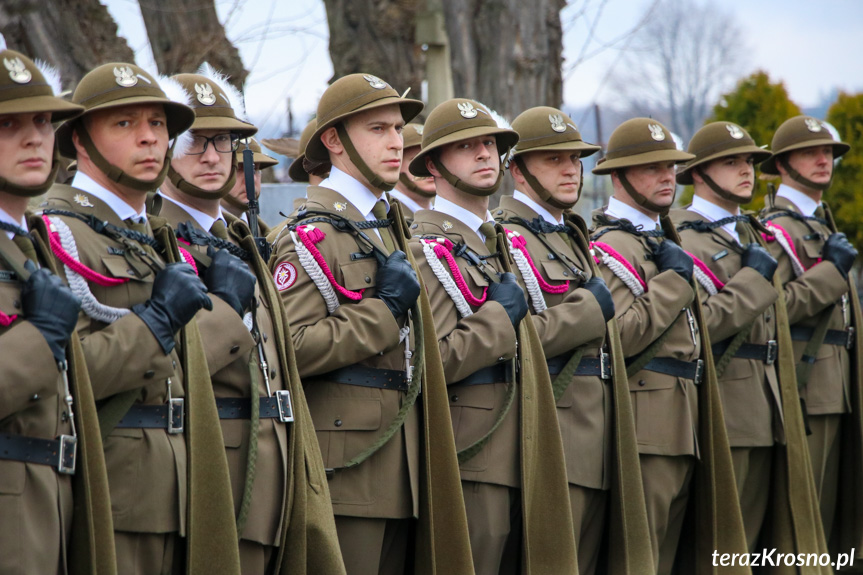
349	414
359	274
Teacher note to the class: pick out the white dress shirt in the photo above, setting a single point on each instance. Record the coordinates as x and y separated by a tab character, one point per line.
205	221
544	213
466	217
356	193
123	210
5	217
804	203
621	211
713	212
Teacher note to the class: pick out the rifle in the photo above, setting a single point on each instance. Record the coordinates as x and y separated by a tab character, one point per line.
252	199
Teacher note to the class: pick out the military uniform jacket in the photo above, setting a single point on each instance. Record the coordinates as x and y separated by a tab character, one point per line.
572	319
349	418
749	388
483	339
32	405
665	406
227	339
820	287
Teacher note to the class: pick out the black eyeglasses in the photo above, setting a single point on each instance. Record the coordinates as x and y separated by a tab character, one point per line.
224	144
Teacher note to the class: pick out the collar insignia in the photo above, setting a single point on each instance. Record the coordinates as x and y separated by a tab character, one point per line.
83	201
447	225
340	206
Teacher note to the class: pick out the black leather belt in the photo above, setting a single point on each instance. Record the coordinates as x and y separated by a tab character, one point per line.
368	377
597	366
842	338
762	352
168	416
693	370
497	373
277	407
58	453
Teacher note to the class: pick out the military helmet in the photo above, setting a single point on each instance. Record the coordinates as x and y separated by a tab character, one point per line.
637	142
26	89
413	135
296	171
217	104
546	129
797	133
349	95
260	159
120	84
718	140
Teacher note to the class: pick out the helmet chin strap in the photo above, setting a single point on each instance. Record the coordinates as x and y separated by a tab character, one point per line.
411	185
117	175
722	192
201	193
799	178
464	186
33	191
235	203
540	190
641	200
374	180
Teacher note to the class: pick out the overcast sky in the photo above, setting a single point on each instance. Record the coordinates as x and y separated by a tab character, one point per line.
813	48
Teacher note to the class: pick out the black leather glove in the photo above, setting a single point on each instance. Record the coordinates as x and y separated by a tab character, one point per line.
510	295
230	278
51	307
670	256
396	283
178	294
759	259
838	250
596	286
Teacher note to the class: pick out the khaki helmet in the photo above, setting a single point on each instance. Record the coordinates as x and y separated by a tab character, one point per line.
546	129
719	140
454	121
795	134
116	85
26	89
218	106
260	159
345	97
297	171
638	142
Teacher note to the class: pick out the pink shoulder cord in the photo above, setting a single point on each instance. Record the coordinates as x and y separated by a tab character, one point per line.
520	243
787	245
444	251
315	236
620	259
6	320
187	255
75	265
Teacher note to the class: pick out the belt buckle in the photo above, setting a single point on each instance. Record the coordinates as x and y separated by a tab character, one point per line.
699	371
176	415
68	454
286	409
605	370
772	351
849	342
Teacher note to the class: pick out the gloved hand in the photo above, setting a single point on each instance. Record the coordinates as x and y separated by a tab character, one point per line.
838	250
230	278
51	307
759	259
396	283
597	287
510	295
178	294
670	256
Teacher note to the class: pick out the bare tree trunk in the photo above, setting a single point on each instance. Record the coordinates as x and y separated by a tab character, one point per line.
74	36
507	54
186	33
377	36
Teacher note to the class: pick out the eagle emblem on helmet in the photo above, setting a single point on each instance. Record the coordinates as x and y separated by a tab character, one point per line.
204	93
812	124
375	82
557	123
17	71
734	131
125	77
656	132
467	110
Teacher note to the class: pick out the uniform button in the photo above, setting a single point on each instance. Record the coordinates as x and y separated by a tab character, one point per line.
235	349
500	212
273	374
149	374
130	271
34	397
263	335
566	274
64	417
368	279
174	364
501	359
337	423
414	226
642	382
454	398
16	304
550	256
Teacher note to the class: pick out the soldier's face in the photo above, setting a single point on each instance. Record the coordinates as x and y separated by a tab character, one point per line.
558	171
654	181
814	164
208	171
377	136
474	161
26	148
239	189
735	174
132	138
425	184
